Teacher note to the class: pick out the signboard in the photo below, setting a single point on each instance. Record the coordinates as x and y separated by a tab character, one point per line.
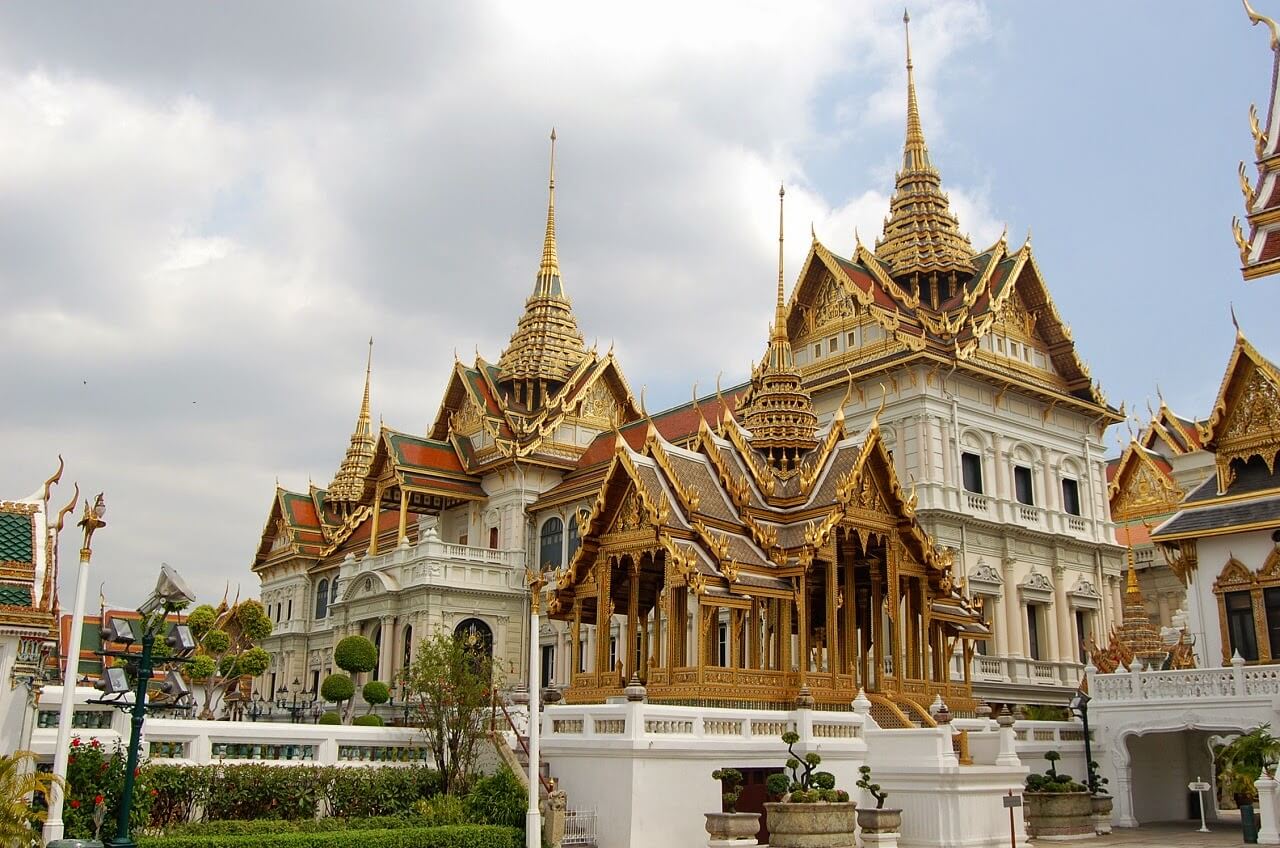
1012	801
1198	786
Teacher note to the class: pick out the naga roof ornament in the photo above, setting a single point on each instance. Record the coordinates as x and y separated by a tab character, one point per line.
546	345
348	483
921	235
780	417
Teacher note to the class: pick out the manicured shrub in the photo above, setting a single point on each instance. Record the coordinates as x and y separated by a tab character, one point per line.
337	688
457	836
331	717
264	792
362	792
375	692
441	810
178	791
355	654
368	721
257	827
498	799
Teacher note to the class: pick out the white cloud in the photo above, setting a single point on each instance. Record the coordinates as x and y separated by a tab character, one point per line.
197	243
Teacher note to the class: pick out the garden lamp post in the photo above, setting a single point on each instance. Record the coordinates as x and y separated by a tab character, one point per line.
1080	706
297	703
91	521
170	592
258	706
533	817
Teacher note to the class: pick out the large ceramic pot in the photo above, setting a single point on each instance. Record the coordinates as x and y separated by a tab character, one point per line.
1101	813
726	826
820	825
1059	815
872	820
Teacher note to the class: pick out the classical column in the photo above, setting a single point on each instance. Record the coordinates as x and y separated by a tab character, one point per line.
999	623
1063	616
375	526
402	532
1001	471
1015	646
633	619
575	647
387	629
833	629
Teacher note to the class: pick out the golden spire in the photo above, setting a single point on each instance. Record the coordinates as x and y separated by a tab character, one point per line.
921	234
781	417
549	269
348	483
546	346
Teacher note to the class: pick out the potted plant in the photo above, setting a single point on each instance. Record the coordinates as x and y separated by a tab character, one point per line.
1056	805
1244	759
808	809
729	825
877	821
1100	800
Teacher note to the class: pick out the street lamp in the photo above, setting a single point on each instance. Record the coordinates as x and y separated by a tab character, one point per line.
1079	705
171	591
296	703
258	706
91	521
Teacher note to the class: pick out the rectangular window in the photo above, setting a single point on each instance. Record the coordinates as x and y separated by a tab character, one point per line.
971	470
1033	631
833	344
289	615
722	645
1082	633
548	665
849	342
462	539
1070	496
493	538
613	652
1240	628
315	681
582	655
1271	599
982	646
1022	485
271	687
817	351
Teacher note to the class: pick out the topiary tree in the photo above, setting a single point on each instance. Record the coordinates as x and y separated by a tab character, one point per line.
227	649
355	655
330	718
368	721
337	689
375	693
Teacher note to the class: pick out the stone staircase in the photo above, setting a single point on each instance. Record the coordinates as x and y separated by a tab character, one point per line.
512	748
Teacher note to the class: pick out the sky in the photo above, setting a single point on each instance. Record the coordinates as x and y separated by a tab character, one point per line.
206	210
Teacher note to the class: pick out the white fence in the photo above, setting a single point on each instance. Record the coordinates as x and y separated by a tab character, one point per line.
579	827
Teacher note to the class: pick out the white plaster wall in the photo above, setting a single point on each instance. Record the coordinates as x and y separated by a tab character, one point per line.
1212	555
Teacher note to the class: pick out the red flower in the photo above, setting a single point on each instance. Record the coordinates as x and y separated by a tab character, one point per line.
137	772
97	799
155	792
95	743
75	741
75	805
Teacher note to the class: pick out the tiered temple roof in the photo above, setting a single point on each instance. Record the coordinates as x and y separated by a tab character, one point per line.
1260	250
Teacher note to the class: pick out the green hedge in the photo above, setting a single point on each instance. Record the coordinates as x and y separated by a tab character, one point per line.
456	836
254	827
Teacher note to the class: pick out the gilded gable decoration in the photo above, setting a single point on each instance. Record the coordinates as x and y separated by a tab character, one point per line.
1141	488
599	404
468	420
833	304
1245	422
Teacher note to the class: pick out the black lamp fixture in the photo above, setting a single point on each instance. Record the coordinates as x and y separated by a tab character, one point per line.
1079	705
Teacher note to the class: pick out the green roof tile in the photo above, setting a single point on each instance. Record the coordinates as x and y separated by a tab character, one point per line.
15	538
15	596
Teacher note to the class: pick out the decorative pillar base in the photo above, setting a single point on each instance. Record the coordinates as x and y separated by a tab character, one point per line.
880	840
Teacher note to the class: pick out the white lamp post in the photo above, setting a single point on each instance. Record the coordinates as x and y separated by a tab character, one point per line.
533	818
91	521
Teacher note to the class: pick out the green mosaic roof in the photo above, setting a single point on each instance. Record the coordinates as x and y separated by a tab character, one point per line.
15	538
15	596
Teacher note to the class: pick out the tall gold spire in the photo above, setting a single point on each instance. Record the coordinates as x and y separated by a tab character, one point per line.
921	234
546	346
348	483
549	269
780	417
1137	633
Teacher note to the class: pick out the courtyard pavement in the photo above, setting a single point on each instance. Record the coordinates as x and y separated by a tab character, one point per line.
1171	835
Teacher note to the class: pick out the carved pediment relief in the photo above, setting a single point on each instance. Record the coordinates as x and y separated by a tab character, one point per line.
599	404
1235	576
630	515
1144	491
468	420
1015	319
832	304
1256	411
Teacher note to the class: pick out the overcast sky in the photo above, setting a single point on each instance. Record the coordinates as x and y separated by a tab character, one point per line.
207	209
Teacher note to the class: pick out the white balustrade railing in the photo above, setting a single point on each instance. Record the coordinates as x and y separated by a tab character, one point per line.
656	722
1197	684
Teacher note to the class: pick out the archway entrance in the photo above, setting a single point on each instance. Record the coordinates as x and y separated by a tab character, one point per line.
1161	766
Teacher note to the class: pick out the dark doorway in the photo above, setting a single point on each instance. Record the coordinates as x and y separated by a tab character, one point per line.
754	795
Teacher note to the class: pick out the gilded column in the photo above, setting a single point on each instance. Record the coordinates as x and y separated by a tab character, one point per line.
849	644
875	620
735	638
403	531
753	635
802	627
833	628
633	619
784	634
575	647
604	619
375	526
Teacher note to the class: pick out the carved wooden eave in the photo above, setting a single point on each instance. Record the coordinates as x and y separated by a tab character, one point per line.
1245	421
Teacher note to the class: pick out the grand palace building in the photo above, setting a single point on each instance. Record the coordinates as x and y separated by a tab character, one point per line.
909	496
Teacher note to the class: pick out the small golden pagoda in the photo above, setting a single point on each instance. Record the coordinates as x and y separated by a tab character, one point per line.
347	488
1136	638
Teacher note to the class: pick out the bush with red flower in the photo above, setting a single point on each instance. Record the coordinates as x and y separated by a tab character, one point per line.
95	783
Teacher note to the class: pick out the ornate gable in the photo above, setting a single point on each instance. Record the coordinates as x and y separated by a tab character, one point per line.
1141	488
1246	416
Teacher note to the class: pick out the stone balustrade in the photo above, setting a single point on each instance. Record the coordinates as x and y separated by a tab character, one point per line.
1237	681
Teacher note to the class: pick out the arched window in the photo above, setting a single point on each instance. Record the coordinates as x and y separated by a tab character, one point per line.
333	592
476	635
408	645
322	599
551	546
574	541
